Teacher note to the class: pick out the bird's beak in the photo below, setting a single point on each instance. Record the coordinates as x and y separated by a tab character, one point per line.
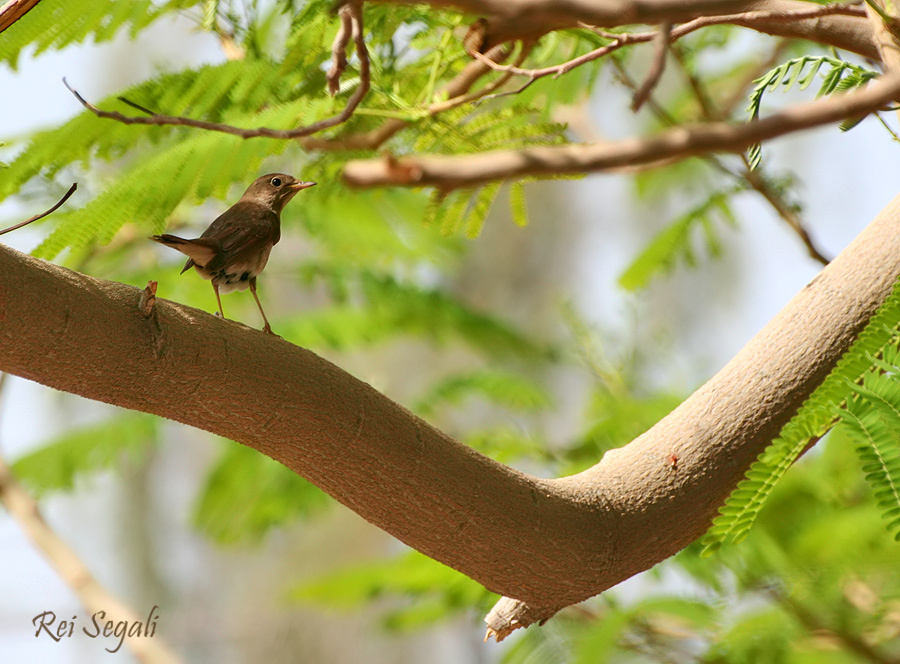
297	186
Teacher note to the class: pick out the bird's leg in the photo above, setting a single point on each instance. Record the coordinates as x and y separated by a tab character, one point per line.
266	327
218	299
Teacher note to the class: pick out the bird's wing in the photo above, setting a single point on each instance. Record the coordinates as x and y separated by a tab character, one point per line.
241	231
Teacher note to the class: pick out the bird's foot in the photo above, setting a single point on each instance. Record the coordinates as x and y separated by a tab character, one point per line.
268	330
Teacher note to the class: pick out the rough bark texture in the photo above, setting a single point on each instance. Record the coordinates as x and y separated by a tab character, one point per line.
549	543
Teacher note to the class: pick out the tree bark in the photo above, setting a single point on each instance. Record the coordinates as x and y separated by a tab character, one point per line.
546	542
13	10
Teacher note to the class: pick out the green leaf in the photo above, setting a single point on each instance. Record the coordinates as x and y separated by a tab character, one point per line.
501	388
674	243
443	592
481	206
789	73
247	494
517	205
55	24
58	464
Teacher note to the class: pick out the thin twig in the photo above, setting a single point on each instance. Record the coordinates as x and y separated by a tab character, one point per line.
660	48
43	214
785	210
456	89
339	51
757	181
156	119
142	109
627	39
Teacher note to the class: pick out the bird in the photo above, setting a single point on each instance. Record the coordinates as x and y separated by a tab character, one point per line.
235	248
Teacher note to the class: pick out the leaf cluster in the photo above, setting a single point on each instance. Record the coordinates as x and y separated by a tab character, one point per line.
840	76
675	244
838	396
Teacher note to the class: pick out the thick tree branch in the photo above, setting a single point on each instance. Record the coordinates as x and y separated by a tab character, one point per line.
506	20
678	143
548	543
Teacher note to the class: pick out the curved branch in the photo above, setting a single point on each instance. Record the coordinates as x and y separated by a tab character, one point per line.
548	543
53	209
508	20
621	40
673	144
850	33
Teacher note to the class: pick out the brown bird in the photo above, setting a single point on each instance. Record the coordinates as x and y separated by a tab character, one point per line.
235	248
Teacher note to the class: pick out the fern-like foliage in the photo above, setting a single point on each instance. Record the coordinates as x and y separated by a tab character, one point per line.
57	465
439	591
813	420
872	420
500	387
278	83
247	493
675	243
379	305
55	24
840	76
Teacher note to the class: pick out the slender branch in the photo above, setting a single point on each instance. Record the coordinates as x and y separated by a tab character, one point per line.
788	214
508	20
886	27
620	40
339	50
351	9
457	91
660	48
73	572
754	178
13	10
43	214
678	143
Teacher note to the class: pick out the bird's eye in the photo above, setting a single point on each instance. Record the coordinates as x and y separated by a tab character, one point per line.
276	182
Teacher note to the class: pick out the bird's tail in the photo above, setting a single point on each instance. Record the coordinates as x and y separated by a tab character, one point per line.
200	251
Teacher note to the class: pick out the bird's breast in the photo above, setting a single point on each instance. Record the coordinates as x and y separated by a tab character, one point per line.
236	275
